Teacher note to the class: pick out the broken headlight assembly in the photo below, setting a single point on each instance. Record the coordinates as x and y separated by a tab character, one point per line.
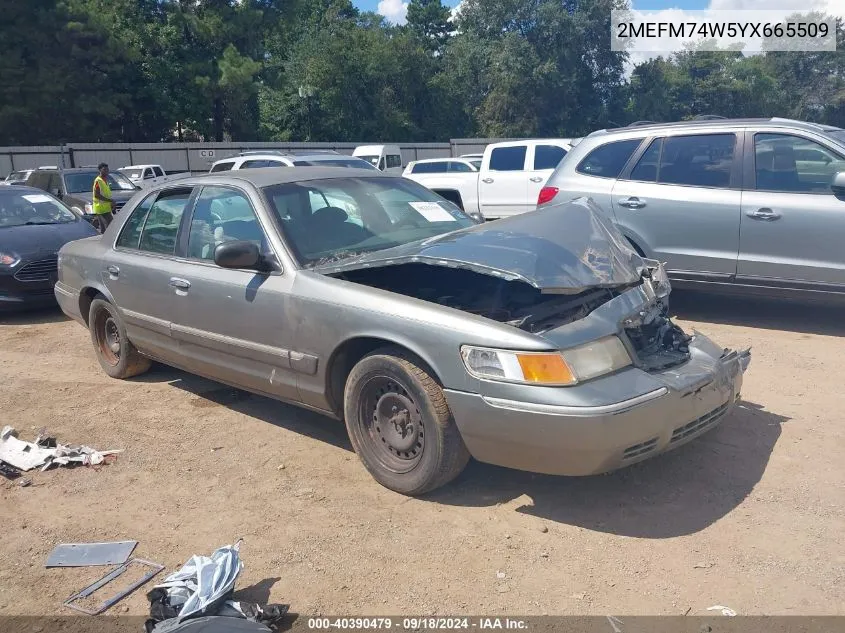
563	368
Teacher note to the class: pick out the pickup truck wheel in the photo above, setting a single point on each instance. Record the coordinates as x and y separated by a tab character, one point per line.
400	424
117	356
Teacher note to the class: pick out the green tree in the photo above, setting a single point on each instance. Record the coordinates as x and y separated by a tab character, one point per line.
429	20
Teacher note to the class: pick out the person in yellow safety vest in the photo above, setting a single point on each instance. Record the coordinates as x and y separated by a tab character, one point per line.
102	203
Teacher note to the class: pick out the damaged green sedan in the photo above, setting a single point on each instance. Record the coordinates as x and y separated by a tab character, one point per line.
539	342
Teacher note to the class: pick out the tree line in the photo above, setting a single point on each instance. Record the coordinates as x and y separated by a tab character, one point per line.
321	70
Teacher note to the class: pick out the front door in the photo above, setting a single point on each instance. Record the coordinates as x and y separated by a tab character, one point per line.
503	182
681	204
137	272
231	324
792	224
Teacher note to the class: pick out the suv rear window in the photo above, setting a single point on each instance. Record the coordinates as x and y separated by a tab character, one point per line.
607	161
223	166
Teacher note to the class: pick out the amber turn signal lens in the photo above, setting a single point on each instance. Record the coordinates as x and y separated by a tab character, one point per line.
545	368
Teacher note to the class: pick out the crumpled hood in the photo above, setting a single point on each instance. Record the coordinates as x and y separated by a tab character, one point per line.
564	248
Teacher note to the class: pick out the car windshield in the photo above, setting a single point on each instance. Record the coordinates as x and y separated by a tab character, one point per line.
83	182
332	219
335	162
20	209
18	175
131	173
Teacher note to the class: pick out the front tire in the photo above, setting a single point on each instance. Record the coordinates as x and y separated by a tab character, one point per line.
400	424
117	356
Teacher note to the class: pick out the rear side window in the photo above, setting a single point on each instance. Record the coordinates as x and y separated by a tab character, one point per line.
607	161
704	160
163	220
255	164
130	235
222	166
429	168
508	158
646	168
547	156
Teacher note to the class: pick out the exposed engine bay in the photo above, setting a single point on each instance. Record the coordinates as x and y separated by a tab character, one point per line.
657	341
513	302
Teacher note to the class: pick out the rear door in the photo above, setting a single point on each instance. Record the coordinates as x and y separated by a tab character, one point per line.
138	271
792	224
232	324
503	183
680	203
543	158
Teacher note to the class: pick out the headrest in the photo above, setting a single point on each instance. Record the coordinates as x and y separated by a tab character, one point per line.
333	215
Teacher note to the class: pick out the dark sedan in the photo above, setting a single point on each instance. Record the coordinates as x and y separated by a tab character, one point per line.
33	227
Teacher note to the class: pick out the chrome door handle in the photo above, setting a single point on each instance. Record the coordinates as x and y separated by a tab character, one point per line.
114	271
764	214
487	180
536	179
182	284
632	203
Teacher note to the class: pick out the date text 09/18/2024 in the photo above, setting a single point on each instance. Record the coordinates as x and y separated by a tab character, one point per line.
416	623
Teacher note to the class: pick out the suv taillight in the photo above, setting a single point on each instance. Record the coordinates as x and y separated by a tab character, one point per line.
546	195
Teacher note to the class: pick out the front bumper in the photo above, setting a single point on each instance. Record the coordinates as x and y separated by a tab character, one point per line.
679	404
17	295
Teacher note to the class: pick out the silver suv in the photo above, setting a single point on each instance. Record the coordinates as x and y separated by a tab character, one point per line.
756	203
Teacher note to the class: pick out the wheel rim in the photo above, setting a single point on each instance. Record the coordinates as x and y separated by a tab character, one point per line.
108	337
392	423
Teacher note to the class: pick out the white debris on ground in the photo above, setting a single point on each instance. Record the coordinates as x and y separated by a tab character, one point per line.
29	455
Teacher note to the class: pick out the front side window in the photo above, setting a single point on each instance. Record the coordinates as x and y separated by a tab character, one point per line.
793	164
508	158
608	160
130	234
332	219
703	160
222	215
547	156
394	160
158	172
163	220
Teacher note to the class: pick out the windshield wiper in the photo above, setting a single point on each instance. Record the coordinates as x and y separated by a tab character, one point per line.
34	223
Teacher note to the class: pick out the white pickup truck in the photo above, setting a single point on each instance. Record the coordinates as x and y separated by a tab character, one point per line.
145	175
508	181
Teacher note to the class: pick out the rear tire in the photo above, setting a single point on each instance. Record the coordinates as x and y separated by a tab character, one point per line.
117	356
400	424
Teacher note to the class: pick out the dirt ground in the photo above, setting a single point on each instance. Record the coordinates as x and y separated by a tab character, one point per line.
750	516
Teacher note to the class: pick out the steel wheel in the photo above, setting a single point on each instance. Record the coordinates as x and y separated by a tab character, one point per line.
394	424
108	337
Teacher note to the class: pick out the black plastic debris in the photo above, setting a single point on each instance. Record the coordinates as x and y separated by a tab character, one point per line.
8	471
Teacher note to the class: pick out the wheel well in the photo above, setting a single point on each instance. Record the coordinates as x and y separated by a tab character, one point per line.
86	298
451	195
347	356
636	247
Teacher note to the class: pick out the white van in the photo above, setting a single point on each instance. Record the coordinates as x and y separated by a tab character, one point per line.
383	157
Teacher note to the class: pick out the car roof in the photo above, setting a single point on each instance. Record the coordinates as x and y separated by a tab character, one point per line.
66	169
716	123
460	159
268	176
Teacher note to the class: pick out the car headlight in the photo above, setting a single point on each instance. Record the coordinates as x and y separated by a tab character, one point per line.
563	368
9	259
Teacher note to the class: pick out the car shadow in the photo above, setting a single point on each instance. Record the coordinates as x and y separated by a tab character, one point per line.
211	394
675	494
40	316
759	312
259	593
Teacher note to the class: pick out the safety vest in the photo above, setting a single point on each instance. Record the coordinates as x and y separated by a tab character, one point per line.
99	206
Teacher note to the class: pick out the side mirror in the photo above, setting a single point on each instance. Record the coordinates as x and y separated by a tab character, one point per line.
838	185
237	254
